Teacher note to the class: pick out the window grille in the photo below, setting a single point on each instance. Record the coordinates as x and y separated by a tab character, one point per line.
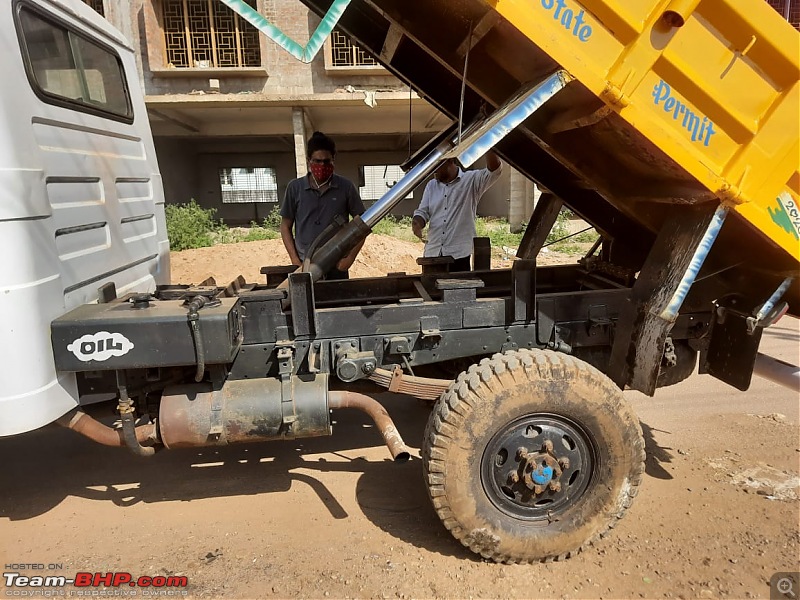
788	9
208	34
248	184
97	5
378	179
345	53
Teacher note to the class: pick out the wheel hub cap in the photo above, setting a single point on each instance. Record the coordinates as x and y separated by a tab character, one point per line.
537	466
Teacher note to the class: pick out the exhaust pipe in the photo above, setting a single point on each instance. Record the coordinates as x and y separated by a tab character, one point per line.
80	422
194	416
775	370
399	451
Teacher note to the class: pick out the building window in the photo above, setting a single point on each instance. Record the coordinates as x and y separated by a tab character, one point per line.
97	5
208	34
379	179
345	53
70	70
788	9
248	184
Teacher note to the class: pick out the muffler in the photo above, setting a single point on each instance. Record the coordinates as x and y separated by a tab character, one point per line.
245	410
259	410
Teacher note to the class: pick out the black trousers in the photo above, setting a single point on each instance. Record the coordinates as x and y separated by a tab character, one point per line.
461	264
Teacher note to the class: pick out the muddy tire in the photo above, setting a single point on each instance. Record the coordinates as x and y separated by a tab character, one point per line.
531	455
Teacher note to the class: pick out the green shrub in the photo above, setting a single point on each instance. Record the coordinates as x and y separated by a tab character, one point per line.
273	219
385	226
253	233
566	248
397	227
560	227
498	231
191	226
482	227
558	240
257	232
586	237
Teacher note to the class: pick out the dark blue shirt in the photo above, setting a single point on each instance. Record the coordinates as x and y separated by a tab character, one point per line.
312	212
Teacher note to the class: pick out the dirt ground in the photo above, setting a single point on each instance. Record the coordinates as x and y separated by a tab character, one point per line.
716	517
381	255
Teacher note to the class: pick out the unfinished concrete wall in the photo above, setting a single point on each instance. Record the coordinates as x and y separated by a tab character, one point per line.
279	74
177	161
190	167
190	170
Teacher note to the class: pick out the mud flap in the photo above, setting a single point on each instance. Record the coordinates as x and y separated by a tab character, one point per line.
731	353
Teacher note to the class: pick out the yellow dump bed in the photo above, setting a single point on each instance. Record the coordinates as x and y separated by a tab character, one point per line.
676	106
712	83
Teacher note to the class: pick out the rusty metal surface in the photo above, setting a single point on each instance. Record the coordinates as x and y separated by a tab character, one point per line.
541	223
384	423
642	329
87	426
396	381
247	410
532	463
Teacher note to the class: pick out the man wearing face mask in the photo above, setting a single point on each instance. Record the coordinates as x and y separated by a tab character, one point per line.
312	203
449	206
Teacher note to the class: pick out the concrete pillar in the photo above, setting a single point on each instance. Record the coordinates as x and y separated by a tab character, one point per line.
516	208
299	131
528	209
124	16
532	194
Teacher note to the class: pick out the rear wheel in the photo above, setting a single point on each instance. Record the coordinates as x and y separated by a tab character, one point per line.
530	455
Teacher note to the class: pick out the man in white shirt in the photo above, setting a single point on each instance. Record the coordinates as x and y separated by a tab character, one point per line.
449	206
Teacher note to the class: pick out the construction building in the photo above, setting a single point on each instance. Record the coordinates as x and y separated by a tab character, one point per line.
230	110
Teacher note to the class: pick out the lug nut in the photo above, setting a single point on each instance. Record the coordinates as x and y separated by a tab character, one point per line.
547	446
522	452
555	486
513	477
563	463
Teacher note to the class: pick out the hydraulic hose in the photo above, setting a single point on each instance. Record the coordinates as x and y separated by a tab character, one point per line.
130	437
126	410
193	317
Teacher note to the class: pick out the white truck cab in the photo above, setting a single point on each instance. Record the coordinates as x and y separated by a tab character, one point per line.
81	200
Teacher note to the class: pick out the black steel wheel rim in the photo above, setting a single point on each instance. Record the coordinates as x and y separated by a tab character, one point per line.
503	457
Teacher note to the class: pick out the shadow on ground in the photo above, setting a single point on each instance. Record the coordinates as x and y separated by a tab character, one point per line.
44	467
657	456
